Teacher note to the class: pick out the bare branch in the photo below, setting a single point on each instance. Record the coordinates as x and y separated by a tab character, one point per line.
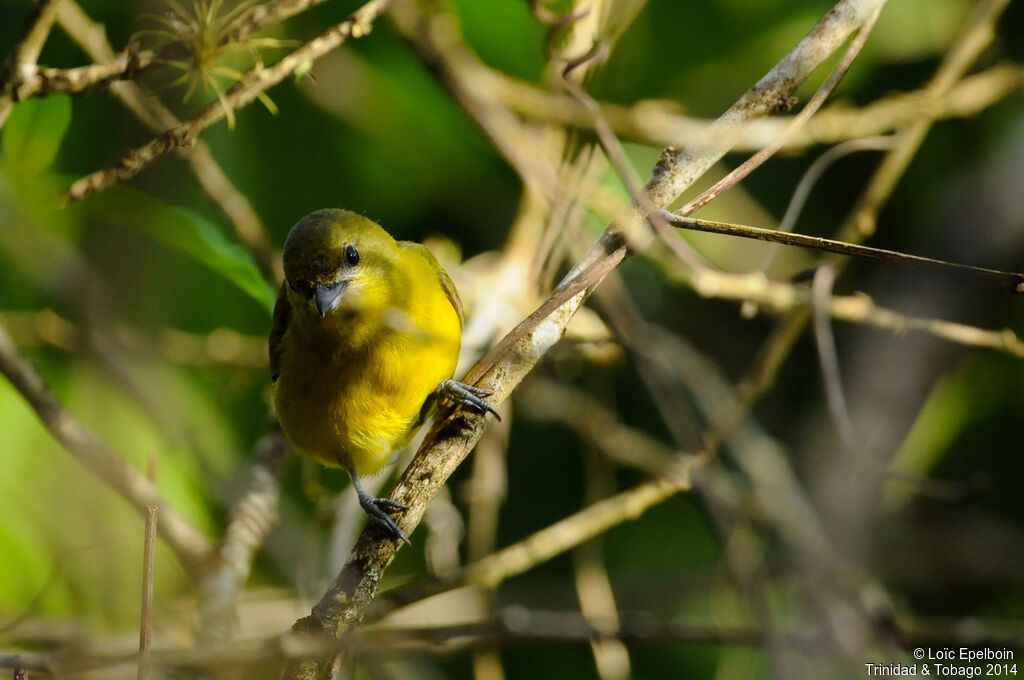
737	174
253	516
661	123
23	58
191	547
42	82
828	357
789	299
245	92
1010	281
133	61
91	37
679	168
146	617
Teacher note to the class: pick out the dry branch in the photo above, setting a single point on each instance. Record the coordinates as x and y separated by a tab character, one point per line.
681	167
252	517
191	546
860	224
92	38
23	57
1010	281
245	92
148	569
661	123
132	61
788	299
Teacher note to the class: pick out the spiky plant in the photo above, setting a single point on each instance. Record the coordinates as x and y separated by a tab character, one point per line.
207	36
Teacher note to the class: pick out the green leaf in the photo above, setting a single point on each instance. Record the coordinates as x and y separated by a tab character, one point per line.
184	230
34	132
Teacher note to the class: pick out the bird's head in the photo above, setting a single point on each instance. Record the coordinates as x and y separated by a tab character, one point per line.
337	259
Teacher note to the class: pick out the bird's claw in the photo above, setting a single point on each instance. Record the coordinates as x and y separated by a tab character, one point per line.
469	396
377	510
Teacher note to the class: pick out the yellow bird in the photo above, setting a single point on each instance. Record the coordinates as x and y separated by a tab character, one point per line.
365	340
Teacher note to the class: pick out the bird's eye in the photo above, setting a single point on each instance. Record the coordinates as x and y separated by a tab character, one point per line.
351	255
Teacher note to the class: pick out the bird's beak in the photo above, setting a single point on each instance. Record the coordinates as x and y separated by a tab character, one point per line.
326	298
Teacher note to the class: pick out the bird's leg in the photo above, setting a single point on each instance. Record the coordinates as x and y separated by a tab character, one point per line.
376	509
469	396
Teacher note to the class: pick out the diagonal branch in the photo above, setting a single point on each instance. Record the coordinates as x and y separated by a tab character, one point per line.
245	92
977	34
769	95
91	37
823	92
191	547
132	61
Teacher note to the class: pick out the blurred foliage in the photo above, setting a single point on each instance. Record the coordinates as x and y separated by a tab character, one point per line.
373	131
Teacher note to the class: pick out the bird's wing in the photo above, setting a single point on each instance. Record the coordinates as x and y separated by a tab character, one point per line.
446	281
453	295
282	314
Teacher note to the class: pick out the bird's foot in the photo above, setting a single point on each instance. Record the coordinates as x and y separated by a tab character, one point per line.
469	396
377	510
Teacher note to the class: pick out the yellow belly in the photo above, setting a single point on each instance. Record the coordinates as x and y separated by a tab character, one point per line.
355	408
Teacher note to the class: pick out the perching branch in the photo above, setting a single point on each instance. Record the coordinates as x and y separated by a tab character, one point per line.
192	548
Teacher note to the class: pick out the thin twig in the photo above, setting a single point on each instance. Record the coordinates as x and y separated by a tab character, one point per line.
1010	281
977	34
822	93
252	517
43	82
257	80
828	357
25	53
191	547
680	168
789	299
91	37
860	224
133	61
594	588
146	617
660	123
811	177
